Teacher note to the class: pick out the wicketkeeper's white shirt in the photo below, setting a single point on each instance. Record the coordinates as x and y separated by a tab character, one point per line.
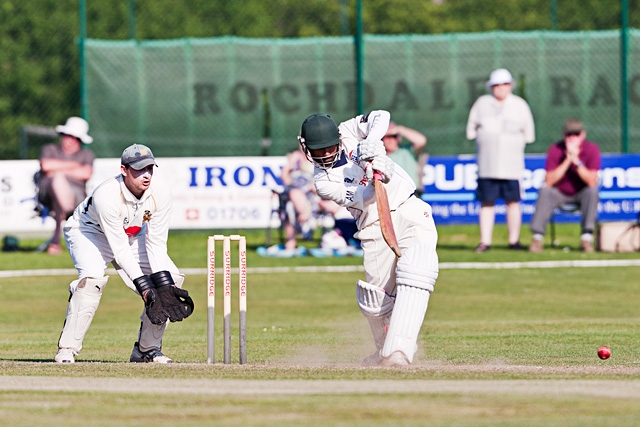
114	213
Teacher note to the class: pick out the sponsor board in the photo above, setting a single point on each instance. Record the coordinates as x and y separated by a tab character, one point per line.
449	184
208	192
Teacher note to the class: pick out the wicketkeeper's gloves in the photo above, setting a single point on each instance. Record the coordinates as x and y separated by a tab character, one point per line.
152	302
176	302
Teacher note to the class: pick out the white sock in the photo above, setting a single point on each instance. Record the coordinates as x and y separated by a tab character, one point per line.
587	237
538	237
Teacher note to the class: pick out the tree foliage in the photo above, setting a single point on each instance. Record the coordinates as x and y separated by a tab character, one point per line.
39	55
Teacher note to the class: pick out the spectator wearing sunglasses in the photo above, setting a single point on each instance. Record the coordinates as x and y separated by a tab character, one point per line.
572	166
408	154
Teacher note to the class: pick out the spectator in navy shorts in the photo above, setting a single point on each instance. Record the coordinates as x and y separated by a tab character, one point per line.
501	124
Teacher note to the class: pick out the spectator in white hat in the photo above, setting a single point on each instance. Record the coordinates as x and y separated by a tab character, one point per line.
65	169
501	124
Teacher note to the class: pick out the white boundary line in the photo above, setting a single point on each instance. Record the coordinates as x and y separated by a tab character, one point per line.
357	268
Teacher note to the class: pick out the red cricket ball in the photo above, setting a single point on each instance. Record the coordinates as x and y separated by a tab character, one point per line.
604	352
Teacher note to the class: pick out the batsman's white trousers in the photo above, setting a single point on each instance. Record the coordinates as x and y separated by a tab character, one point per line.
413	224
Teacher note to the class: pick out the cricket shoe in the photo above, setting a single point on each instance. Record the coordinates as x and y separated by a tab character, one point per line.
397	359
65	355
151	356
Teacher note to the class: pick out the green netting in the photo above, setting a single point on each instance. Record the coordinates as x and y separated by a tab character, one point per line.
224	96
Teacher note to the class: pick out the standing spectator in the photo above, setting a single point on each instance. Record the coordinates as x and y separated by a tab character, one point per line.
125	221
406	155
572	167
501	124
65	169
396	293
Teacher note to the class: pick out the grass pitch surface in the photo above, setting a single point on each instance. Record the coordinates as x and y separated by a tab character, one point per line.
499	347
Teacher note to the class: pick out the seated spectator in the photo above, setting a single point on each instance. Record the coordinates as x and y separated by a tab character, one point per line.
406	155
65	169
340	240
297	178
572	166
299	204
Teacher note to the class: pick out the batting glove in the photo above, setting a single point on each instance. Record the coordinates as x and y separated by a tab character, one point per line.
367	150
385	166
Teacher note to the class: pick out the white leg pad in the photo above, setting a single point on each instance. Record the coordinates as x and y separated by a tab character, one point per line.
84	301
150	335
406	321
418	267
376	305
373	301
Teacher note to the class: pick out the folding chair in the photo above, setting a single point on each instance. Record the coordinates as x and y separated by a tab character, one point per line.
279	214
283	212
565	209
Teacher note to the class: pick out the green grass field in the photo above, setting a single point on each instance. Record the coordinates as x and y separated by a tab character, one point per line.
492	339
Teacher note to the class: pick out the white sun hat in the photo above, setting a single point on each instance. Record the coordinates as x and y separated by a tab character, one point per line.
77	127
500	76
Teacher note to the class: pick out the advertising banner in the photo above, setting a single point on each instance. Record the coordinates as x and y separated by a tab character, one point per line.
236	192
208	192
450	184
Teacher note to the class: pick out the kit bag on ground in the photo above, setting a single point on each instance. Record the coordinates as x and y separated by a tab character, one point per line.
618	236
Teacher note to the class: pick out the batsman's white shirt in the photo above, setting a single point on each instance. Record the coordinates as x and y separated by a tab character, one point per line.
113	225
346	182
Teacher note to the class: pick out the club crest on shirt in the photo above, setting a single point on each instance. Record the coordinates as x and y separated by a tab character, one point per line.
147	216
353	157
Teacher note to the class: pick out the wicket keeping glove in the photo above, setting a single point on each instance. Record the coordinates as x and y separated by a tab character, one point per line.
153	305
367	150
176	302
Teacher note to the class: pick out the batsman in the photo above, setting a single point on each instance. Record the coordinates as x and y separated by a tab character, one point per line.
397	231
125	221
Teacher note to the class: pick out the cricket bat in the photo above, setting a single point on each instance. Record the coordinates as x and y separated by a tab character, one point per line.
384	214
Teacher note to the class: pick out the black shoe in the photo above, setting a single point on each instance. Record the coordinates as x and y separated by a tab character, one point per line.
517	246
151	356
482	248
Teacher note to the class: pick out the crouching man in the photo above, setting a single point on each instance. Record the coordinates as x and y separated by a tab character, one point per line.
125	221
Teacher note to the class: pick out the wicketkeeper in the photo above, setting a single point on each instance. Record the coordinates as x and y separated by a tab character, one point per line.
125	221
396	293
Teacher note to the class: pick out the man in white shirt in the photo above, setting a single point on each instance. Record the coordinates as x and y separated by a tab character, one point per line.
396	293
125	221
501	124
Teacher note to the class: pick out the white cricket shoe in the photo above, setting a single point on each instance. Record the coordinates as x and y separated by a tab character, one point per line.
151	356
397	359
65	355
